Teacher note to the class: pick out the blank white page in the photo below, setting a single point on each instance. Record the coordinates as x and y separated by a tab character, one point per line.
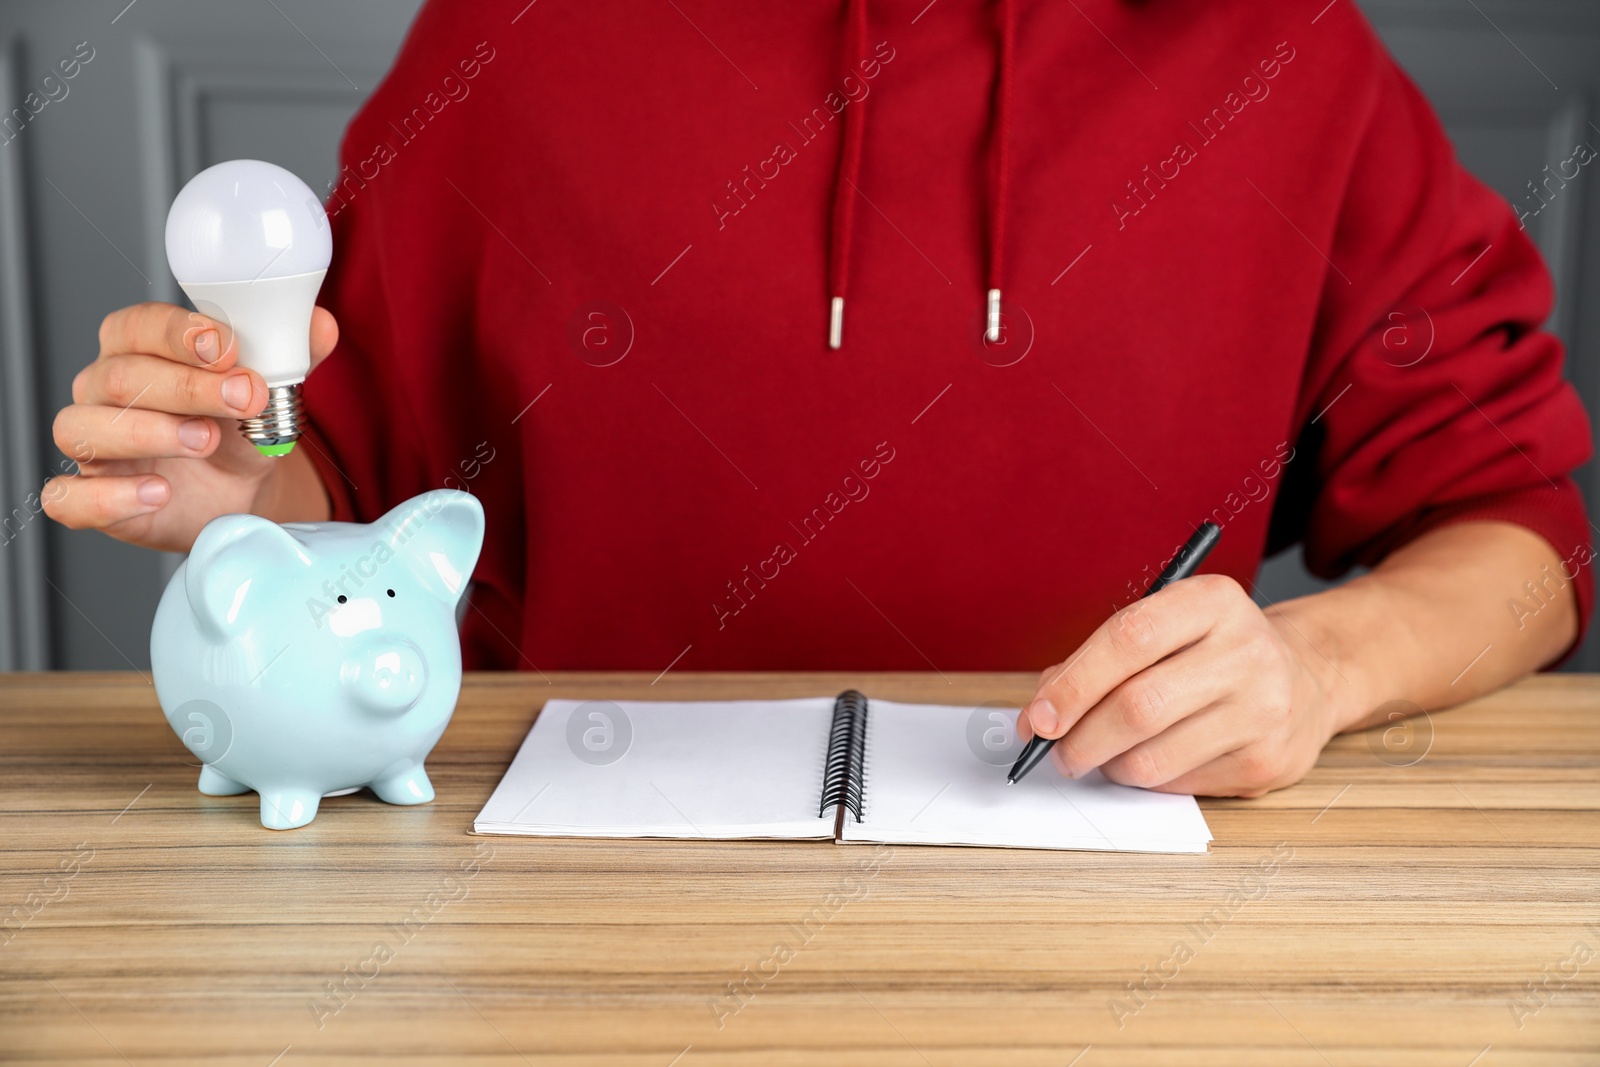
925	785
724	769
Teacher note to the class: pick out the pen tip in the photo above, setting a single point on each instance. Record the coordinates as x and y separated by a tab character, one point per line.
1011	781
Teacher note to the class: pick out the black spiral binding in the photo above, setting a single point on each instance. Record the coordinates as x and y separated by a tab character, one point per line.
843	780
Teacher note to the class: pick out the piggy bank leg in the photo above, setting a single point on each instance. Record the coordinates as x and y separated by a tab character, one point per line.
213	783
410	786
285	809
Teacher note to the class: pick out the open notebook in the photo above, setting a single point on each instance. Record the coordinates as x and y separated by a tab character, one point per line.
821	768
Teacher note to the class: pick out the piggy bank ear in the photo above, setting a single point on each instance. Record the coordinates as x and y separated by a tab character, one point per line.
439	535
239	560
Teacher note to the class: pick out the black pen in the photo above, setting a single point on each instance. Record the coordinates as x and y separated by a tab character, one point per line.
1185	563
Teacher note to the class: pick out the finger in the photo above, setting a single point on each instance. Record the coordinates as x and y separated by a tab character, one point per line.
1156	699
112	468
1024	731
156	384
1139	635
80	503
324	334
1248	771
170	332
1191	742
91	433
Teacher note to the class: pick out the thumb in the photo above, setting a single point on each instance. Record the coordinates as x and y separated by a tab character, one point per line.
324	334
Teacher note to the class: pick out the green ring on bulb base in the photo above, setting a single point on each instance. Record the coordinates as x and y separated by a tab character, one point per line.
281	449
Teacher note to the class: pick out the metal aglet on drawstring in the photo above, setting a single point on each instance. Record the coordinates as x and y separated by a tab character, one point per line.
836	323
992	332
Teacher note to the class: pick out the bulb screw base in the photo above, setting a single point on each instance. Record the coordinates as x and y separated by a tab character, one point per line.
277	428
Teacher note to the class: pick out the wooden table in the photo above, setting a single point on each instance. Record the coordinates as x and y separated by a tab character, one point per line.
1376	913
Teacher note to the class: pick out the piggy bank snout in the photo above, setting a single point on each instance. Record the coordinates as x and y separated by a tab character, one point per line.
386	674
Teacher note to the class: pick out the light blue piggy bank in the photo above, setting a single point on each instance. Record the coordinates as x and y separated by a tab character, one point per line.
309	660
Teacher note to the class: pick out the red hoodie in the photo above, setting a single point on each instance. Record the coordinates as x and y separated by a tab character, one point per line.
585	256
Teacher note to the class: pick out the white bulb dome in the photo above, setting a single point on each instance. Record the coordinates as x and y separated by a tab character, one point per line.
245	220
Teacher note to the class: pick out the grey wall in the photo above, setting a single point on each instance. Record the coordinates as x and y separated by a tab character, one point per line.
176	85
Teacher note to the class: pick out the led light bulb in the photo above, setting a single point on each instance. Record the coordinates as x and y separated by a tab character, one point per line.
249	243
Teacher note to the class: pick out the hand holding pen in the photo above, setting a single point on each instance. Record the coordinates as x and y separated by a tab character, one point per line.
1182	565
1192	689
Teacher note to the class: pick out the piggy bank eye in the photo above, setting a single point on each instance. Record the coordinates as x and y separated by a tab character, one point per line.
342	599
391	592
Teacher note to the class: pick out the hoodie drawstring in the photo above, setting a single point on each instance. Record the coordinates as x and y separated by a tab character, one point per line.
844	182
849	169
1000	165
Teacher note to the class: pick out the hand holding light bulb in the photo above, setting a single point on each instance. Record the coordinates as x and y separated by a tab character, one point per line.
249	242
152	430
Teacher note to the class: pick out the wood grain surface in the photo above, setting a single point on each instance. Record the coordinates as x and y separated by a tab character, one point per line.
1432	897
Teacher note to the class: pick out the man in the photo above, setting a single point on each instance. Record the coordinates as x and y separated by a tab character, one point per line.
916	336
